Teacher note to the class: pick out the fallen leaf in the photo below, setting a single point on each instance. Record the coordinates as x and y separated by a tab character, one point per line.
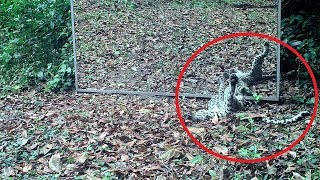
165	117
24	134
215	119
82	158
33	146
27	167
292	154
102	135
170	154
24	141
43	160
124	157
197	130
271	169
297	176
8	171
134	69
71	166
45	149
50	113
144	111
189	156
221	149
54	163
161	177
252	115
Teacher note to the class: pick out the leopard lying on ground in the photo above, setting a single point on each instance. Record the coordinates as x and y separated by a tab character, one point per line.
232	98
227	102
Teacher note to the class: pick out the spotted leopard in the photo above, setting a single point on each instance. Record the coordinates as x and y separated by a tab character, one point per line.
232	98
222	104
247	79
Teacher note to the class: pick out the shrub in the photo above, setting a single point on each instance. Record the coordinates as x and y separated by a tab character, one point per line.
302	31
36	45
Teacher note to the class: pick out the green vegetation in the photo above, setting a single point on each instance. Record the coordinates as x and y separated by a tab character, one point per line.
252	152
301	30
36	45
257	97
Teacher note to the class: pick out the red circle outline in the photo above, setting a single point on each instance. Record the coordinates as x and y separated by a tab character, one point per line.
241	34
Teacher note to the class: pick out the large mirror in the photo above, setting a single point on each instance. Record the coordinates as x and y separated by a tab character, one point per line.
140	46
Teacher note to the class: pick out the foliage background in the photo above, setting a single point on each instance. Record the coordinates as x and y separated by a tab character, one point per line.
301	29
36	45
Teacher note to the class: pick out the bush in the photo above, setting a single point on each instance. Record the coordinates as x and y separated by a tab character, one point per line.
302	31
36	45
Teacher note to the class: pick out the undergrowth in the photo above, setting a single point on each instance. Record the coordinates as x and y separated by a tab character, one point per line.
302	31
36	46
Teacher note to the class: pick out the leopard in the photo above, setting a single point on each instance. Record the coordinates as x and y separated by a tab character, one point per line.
224	103
247	79
219	104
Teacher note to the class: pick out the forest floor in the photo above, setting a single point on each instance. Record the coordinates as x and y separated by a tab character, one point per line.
102	136
134	137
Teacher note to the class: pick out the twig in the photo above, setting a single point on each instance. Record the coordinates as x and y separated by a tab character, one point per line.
285	4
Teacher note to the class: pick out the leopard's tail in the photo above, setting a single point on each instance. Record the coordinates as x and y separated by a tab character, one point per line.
294	119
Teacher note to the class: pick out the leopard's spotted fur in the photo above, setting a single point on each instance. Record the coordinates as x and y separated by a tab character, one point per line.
247	79
232	99
223	103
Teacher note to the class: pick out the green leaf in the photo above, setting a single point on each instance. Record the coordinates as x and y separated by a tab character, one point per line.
244	152
298	99
69	70
197	159
52	25
242	128
213	174
245	118
40	75
16	87
257	97
63	68
49	66
240	115
311	101
117	53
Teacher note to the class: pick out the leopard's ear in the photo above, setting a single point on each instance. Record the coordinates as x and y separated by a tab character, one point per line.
225	75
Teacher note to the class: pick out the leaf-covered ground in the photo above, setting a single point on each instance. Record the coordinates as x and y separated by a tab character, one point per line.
87	136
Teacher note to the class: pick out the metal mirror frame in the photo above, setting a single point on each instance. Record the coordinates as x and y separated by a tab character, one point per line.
128	92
